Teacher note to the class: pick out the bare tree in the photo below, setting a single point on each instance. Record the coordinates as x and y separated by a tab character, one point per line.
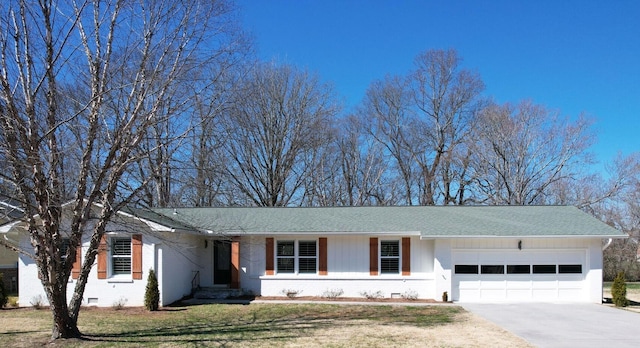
116	64
522	151
447	98
621	209
203	180
388	119
422	120
352	172
275	129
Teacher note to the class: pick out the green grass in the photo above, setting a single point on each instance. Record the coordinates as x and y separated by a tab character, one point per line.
214	325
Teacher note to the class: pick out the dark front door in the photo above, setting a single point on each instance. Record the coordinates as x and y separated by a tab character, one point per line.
221	262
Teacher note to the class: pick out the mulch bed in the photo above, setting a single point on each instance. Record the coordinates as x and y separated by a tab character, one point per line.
344	299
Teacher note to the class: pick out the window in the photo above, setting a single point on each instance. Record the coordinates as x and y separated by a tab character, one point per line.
466	269
307	257
544	269
64	248
518	269
301	254
569	269
389	257
120	256
492	269
286	256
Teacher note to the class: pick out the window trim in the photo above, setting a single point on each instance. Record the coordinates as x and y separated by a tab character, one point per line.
296	257
572	268
64	248
111	258
398	257
466	268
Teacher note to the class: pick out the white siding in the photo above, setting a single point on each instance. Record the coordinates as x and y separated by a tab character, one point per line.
178	255
182	257
252	263
348	270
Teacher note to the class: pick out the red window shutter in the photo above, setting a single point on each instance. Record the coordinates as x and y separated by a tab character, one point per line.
269	256
75	270
406	256
136	256
102	258
235	263
373	256
322	263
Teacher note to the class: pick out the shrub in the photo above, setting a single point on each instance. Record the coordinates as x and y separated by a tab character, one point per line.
332	294
410	295
13	301
291	293
619	291
37	302
371	295
152	294
4	297
118	305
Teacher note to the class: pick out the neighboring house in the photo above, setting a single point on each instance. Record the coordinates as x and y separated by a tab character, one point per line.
8	258
474	253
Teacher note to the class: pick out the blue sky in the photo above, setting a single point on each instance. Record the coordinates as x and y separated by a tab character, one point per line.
572	56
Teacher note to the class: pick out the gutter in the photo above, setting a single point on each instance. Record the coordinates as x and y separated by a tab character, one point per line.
609	241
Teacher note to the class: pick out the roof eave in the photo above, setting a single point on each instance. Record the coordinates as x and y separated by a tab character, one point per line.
324	233
423	237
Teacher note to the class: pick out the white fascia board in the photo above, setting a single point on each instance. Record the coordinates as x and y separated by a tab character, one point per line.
11	206
6	228
154	226
523	236
323	233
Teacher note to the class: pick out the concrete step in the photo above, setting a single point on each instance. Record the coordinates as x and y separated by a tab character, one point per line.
216	293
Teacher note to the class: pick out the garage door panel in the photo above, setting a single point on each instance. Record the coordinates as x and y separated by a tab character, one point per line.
544	294
569	294
519	284
495	284
518	294
469	284
470	295
492	294
544	284
570	284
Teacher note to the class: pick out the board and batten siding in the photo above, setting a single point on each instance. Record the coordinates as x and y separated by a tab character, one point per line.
179	257
348	268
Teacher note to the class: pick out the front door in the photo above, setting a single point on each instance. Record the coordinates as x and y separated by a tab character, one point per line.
221	262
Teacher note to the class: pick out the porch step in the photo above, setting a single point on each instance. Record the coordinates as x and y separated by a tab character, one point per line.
217	293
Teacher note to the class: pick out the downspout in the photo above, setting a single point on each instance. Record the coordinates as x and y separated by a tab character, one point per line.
604	247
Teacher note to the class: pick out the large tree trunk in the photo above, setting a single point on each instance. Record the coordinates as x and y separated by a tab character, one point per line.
64	326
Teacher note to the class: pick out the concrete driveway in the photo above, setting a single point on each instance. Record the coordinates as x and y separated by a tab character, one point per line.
564	325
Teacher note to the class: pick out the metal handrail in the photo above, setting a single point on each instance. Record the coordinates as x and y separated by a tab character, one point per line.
195	281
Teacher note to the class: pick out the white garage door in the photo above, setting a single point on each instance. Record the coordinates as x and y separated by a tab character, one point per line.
512	276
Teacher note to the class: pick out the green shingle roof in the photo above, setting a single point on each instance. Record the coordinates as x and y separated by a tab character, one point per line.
428	222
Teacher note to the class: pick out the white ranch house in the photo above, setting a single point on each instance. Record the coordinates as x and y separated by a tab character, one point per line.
474	253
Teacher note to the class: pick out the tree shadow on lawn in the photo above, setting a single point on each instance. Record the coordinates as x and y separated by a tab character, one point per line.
212	332
24	332
282	322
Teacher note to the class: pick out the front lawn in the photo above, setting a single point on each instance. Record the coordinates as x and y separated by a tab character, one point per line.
257	325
